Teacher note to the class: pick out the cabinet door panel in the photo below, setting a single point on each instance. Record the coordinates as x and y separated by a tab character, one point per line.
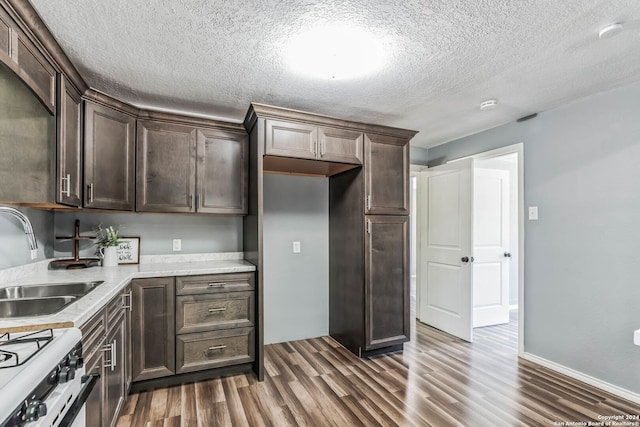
387	175
69	177
166	167
109	158
291	139
340	145
114	372
386	281
153	328
222	172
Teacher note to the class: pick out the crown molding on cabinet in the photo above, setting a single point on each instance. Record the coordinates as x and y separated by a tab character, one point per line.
31	23
257	110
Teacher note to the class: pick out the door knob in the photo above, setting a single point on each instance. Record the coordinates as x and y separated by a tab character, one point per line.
464	259
507	255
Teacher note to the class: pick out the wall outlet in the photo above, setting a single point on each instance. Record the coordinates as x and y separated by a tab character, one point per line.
177	245
296	247
533	213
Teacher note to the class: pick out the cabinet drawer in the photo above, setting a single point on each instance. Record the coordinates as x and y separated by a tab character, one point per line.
196	313
189	285
93	334
208	350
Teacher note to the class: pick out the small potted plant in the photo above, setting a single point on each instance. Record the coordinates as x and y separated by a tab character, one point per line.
107	241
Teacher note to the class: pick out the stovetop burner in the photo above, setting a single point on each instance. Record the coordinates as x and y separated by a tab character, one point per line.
21	347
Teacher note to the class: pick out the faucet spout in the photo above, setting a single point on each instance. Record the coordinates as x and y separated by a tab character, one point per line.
26	225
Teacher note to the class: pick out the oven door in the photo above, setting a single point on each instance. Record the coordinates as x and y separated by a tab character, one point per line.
76	414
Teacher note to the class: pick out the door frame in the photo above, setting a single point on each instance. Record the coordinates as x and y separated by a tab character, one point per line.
498	152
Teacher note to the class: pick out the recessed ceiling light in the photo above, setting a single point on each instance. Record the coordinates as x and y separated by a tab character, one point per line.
336	52
489	104
610	30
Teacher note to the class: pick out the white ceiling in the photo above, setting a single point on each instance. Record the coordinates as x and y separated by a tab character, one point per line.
215	57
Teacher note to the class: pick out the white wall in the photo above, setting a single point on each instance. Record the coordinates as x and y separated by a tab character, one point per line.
296	286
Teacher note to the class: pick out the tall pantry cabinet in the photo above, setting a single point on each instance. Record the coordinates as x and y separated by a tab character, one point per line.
368	172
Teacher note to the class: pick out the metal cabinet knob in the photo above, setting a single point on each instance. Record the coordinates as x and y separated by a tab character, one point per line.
464	259
507	255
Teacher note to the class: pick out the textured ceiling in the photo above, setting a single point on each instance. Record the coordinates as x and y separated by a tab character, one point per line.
215	57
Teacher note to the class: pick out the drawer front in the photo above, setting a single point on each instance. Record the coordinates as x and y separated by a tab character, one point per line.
206	350
189	285
93	332
197	313
115	308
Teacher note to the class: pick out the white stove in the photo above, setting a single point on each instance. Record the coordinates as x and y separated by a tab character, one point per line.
42	379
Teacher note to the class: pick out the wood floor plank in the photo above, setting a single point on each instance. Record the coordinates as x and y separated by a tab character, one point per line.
438	380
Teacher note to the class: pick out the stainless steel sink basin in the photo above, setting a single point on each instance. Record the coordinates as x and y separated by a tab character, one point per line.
45	290
34	306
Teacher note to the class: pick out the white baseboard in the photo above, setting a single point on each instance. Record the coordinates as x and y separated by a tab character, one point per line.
613	389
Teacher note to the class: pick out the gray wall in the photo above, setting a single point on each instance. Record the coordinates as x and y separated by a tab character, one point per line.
418	156
199	233
14	248
296	286
581	168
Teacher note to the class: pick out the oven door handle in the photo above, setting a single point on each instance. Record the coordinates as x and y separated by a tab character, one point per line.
89	381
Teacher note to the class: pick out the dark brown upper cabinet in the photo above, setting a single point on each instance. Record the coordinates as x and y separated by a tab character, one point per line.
69	146
306	141
109	158
222	172
386	281
166	170
187	169
386	175
24	59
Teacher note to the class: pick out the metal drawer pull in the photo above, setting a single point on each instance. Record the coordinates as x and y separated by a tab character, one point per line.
126	301
217	310
216	285
217	347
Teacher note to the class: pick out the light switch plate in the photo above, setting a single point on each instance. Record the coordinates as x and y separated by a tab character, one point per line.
296	247
636	337
177	245
533	213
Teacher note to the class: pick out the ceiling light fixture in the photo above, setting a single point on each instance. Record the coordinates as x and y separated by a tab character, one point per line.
610	30
489	104
336	52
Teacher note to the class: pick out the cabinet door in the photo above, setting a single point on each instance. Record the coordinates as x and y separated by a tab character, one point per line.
94	365
114	371
386	281
153	328
109	158
127	340
386	175
69	177
291	139
27	61
166	173
222	172
340	145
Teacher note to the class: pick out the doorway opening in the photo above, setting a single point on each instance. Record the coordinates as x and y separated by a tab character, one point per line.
467	251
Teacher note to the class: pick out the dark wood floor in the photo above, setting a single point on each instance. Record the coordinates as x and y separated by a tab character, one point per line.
437	381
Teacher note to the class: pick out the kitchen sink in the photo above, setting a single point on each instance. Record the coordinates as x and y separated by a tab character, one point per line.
34	306
45	290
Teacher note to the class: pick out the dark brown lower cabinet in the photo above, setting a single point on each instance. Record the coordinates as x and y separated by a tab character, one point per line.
114	371
386	289
105	339
153	328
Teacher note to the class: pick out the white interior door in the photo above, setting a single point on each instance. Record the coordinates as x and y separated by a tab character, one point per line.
444	227
490	247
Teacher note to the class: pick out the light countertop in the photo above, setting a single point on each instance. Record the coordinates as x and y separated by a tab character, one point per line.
115	279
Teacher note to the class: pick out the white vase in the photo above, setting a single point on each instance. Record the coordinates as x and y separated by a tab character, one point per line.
109	256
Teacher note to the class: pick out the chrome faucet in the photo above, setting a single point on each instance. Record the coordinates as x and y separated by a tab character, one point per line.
28	228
